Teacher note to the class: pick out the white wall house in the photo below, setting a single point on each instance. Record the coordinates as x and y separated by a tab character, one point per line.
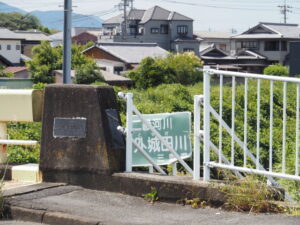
10	47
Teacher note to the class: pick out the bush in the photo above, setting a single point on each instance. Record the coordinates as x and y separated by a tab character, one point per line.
175	68
39	86
46	59
87	75
24	131
7	74
277	70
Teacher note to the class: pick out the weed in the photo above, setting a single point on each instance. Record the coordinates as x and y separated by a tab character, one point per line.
251	195
151	196
195	203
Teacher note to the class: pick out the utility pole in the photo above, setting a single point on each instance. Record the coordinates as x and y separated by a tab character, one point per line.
123	6
125	19
285	9
67	54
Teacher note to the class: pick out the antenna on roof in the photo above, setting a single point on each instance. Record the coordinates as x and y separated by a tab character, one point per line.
285	9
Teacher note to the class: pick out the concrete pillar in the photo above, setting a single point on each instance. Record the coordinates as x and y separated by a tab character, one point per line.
3	135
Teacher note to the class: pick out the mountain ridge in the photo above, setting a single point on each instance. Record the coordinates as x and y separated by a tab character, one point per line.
53	19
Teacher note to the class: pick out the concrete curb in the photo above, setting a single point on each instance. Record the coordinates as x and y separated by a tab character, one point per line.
50	218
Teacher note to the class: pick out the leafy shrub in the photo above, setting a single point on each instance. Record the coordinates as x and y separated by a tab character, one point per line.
277	69
175	68
5	74
24	131
39	86
46	59
87	75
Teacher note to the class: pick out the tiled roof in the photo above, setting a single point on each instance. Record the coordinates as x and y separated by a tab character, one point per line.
113	77
9	35
158	13
154	13
33	35
132	53
271	30
15	69
114	20
210	34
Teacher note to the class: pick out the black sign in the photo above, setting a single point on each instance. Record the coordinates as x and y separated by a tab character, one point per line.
69	127
113	121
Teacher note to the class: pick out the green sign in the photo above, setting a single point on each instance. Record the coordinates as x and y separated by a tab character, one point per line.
175	128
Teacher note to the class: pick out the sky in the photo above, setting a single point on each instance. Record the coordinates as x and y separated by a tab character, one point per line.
208	15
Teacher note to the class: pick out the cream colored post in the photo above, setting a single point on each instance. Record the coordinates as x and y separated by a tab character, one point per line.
3	135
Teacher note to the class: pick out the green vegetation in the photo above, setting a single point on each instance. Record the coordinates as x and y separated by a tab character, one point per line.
5	74
46	59
19	21
195	203
277	69
176	68
24	131
151	196
176	97
250	195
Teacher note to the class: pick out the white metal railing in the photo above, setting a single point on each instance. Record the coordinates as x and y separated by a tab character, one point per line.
208	111
130	111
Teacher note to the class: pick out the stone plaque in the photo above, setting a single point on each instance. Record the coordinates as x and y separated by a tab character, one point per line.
113	122
69	127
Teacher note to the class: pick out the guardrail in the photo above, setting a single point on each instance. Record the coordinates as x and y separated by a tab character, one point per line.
208	110
18	106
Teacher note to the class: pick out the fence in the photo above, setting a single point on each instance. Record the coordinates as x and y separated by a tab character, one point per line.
237	144
208	111
130	111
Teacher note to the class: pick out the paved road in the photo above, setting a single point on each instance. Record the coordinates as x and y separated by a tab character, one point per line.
114	208
18	223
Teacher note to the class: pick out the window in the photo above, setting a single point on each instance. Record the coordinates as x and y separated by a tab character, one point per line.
189	50
8	47
283	46
18	47
271	45
182	30
164	29
249	44
154	30
118	69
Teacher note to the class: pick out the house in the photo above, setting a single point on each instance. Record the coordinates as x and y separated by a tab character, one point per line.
118	57
109	78
57	38
244	60
170	30
270	40
31	39
85	37
221	40
10	48
18	71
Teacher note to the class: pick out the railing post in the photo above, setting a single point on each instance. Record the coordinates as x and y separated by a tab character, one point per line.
3	135
129	111
206	108
196	175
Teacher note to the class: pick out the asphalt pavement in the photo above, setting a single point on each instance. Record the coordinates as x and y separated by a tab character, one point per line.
119	209
13	222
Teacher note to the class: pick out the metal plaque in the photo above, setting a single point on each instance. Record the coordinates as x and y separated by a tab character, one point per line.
69	127
113	121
